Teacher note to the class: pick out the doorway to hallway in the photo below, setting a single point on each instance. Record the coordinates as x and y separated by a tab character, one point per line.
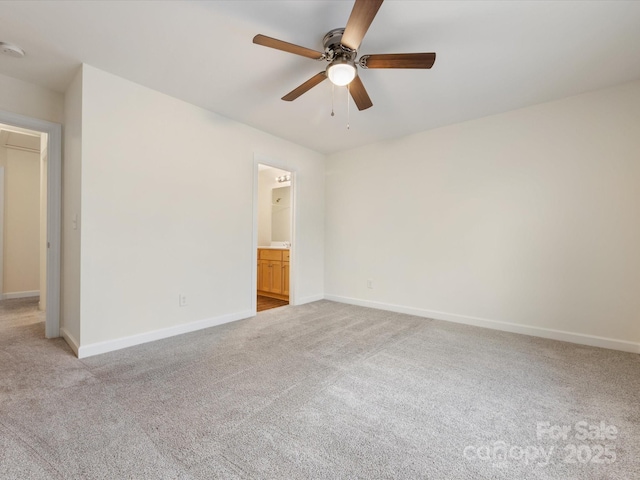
21	137
23	214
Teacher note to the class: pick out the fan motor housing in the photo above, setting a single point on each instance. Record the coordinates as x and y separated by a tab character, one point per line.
333	47
332	39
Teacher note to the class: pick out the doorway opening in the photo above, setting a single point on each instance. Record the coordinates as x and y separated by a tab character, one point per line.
30	186
273	232
23	165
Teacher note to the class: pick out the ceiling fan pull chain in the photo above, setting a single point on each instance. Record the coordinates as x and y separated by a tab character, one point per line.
333	89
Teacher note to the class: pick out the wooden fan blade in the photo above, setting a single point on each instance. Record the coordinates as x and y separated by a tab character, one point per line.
363	13
359	94
399	60
305	87
287	47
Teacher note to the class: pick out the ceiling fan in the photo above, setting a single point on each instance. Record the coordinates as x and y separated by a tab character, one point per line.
341	49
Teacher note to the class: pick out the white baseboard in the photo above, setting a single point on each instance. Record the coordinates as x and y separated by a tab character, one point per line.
70	339
312	298
11	295
125	342
580	338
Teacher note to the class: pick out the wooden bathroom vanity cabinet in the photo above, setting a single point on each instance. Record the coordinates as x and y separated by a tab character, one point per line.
273	273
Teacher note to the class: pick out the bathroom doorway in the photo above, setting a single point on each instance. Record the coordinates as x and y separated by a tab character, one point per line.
274	237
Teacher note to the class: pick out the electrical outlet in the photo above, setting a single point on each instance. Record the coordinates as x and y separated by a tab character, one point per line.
182	300
369	283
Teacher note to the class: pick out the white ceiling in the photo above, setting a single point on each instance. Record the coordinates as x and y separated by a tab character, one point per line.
492	57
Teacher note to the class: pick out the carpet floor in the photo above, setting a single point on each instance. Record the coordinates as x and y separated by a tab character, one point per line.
318	391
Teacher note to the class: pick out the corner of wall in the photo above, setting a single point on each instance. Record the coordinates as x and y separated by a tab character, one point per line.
71	209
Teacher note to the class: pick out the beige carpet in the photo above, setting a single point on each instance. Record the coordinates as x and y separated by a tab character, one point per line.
323	390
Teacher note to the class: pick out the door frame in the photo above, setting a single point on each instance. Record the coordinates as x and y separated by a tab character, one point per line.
54	210
293	264
1	232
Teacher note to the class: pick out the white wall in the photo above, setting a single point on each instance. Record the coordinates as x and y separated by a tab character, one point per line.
31	100
21	266
71	209
167	209
531	217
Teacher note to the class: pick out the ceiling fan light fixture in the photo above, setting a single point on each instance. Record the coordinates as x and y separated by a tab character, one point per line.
341	72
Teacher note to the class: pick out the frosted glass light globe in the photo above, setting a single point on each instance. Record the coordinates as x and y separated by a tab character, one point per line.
341	74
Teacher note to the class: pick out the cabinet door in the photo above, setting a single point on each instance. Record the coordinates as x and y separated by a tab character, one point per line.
285	278
276	276
264	276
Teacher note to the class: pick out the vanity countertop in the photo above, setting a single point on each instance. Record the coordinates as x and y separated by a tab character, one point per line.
274	248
